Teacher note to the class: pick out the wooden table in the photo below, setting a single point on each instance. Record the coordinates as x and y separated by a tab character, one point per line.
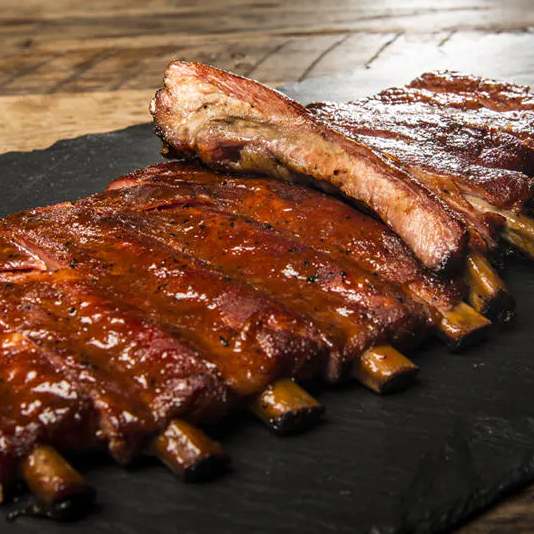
71	67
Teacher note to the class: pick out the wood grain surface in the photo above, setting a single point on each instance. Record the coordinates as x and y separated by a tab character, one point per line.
70	67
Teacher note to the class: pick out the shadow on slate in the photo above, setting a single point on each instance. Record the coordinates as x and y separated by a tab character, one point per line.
420	461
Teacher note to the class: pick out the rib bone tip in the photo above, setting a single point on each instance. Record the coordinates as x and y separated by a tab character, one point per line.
383	369
188	452
286	408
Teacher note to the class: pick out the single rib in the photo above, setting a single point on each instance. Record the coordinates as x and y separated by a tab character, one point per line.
238	124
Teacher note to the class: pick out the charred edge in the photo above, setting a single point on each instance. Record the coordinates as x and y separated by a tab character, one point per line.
167	151
501	308
296	421
286	408
189	453
385	370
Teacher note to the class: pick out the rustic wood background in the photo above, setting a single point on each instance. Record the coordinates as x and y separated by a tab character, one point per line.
70	67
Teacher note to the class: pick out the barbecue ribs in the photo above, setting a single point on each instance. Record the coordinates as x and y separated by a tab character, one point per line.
476	153
179	294
169	299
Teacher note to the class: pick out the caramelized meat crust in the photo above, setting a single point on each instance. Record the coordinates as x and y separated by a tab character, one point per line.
468	139
249	337
486	163
442	141
136	375
328	290
314	218
39	403
492	94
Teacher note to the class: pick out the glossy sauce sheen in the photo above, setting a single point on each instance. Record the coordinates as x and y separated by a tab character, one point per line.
136	374
250	338
347	326
484	160
279	264
38	403
316	219
123	315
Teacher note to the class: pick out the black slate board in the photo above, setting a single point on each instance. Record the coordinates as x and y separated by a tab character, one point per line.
422	461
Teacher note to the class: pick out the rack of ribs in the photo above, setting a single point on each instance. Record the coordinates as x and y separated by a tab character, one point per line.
466	142
142	312
469	139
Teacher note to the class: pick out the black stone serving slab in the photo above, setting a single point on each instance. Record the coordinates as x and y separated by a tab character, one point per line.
420	461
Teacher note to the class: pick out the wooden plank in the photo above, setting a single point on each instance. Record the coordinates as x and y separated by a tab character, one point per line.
505	55
376	61
272	60
341	55
508	55
37	121
294	58
514	515
106	69
121	25
237	15
409	54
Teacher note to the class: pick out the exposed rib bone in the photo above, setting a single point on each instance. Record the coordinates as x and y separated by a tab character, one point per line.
384	369
188	452
285	407
463	325
487	292
519	228
58	487
520	232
